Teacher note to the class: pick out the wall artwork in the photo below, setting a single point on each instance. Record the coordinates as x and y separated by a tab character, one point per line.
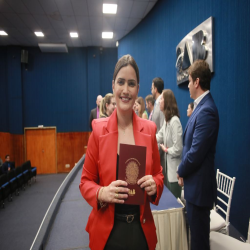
198	44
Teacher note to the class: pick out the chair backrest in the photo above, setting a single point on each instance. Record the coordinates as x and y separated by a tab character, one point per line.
18	170
225	185
11	174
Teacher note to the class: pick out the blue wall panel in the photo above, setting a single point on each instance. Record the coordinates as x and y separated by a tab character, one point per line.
4	107
15	91
108	62
55	90
153	43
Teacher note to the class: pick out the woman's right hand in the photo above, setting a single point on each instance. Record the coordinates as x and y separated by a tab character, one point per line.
116	192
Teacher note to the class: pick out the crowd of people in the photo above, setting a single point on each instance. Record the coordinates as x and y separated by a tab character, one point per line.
175	157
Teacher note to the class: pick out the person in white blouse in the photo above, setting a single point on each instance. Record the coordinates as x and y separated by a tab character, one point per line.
169	139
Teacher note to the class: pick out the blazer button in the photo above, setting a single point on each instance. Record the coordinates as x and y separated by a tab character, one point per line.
144	220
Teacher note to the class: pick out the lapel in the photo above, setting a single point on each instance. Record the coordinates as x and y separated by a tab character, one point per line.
108	149
196	111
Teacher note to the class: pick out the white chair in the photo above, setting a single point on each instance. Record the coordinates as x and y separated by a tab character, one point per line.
220	241
225	186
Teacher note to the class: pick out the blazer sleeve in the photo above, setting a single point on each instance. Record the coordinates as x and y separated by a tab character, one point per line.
162	119
205	135
160	136
90	178
176	137
156	170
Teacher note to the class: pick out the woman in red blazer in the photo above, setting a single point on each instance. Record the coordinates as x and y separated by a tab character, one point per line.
112	224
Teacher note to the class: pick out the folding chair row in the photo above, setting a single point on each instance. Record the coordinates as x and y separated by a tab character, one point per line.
15	180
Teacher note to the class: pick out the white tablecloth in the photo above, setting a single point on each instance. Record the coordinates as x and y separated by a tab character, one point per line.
170	223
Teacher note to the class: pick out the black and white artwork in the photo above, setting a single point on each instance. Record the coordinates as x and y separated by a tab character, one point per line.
198	44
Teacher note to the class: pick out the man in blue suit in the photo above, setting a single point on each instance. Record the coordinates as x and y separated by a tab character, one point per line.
197	167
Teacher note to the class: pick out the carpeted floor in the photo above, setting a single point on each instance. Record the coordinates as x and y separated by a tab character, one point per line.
21	218
68	230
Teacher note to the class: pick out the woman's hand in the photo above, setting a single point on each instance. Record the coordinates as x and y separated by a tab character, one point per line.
116	192
147	182
164	148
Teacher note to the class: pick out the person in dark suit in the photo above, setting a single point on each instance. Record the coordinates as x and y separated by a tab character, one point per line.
94	113
197	167
7	166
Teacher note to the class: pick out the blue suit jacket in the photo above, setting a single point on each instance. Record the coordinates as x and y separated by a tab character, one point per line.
199	142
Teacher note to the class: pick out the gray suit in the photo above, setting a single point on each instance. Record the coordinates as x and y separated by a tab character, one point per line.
171	136
158	118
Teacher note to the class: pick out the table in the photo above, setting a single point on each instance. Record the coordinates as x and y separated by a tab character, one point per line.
170	223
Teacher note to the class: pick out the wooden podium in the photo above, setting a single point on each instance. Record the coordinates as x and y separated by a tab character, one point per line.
40	148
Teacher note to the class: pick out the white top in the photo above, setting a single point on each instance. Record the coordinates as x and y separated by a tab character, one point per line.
197	100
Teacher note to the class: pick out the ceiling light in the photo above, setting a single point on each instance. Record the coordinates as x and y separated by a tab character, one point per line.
73	34
38	33
107	35
109	8
3	33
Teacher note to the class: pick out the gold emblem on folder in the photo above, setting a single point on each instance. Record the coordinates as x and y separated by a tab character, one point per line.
132	171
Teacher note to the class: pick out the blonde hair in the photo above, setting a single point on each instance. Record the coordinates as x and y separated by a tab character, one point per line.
105	100
142	103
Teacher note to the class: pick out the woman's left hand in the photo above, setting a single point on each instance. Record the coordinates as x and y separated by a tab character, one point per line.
147	182
163	148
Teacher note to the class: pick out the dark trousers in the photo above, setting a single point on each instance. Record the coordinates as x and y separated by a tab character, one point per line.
199	222
126	236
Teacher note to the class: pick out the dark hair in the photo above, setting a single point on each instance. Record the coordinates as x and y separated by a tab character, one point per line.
191	105
200	69
170	105
125	61
150	98
105	100
6	156
159	84
142	103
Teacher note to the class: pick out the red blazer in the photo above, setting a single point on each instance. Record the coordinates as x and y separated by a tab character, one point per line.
100	170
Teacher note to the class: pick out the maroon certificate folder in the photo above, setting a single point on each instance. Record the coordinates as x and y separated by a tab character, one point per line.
132	165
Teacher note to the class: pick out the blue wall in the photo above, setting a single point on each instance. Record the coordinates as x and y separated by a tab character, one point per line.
4	107
56	89
153	44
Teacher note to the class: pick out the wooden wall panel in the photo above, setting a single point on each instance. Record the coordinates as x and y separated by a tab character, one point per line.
18	149
13	145
49	151
70	148
41	149
5	145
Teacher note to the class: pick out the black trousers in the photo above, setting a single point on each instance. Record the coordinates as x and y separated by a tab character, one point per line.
126	236
199	222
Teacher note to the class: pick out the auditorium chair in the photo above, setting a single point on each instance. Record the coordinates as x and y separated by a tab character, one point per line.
20	178
28	171
13	182
31	169
1	197
5	187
